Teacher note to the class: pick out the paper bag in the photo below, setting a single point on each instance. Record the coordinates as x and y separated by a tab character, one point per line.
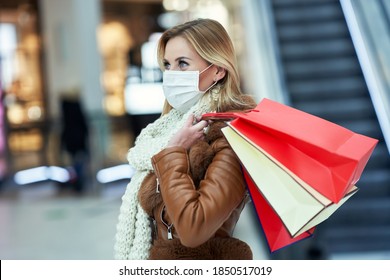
299	206
275	232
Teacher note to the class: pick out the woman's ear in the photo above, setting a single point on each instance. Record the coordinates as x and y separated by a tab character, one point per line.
221	72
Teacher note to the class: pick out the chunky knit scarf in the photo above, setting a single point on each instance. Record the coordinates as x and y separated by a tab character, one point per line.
133	238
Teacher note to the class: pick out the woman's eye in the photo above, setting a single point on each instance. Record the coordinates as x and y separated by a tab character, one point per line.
167	66
182	64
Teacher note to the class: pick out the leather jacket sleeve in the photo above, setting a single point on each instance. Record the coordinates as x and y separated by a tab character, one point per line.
198	212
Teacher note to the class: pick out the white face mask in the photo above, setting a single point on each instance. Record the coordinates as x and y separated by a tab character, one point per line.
181	88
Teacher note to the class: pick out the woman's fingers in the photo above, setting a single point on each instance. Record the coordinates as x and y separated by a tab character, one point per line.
189	133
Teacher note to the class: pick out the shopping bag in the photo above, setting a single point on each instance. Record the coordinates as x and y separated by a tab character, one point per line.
326	156
275	232
299	206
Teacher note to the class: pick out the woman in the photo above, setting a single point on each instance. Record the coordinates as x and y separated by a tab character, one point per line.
188	192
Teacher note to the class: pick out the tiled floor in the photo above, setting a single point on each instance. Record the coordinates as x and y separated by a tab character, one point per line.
36	223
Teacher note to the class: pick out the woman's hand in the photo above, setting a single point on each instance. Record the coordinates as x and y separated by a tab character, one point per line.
188	134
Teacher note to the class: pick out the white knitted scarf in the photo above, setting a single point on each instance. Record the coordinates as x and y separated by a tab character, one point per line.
133	237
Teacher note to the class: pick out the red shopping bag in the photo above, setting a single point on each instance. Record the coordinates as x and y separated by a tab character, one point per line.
324	155
275	232
299	206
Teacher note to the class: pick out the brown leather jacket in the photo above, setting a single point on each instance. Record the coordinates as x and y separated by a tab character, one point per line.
195	199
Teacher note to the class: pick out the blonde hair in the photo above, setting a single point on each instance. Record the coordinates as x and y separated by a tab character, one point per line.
211	41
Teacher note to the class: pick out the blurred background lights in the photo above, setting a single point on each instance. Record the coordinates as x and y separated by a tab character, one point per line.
169	19
213	9
176	5
15	114
41	173
8	44
34	113
115	173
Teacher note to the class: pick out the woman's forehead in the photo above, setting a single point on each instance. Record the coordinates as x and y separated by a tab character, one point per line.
179	47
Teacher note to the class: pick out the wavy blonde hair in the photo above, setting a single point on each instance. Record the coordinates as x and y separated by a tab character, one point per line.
211	41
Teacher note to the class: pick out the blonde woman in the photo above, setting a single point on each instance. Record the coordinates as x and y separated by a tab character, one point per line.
188	192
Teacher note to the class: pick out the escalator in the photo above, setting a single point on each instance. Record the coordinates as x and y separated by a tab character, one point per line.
323	77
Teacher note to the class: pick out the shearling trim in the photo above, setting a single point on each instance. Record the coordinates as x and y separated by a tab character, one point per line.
214	132
217	248
200	156
147	195
201	153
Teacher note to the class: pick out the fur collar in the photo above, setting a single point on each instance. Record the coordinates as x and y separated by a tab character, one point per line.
201	153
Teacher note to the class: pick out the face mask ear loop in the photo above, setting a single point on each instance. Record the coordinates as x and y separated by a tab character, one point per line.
213	84
206	68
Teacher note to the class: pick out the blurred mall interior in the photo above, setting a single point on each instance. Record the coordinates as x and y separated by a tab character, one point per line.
79	80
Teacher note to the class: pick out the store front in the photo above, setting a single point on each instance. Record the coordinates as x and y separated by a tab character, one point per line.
23	107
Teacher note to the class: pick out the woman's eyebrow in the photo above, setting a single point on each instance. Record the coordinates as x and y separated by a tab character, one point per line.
177	59
182	57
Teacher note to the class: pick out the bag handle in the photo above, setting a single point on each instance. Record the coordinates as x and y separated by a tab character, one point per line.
227	116
219	116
